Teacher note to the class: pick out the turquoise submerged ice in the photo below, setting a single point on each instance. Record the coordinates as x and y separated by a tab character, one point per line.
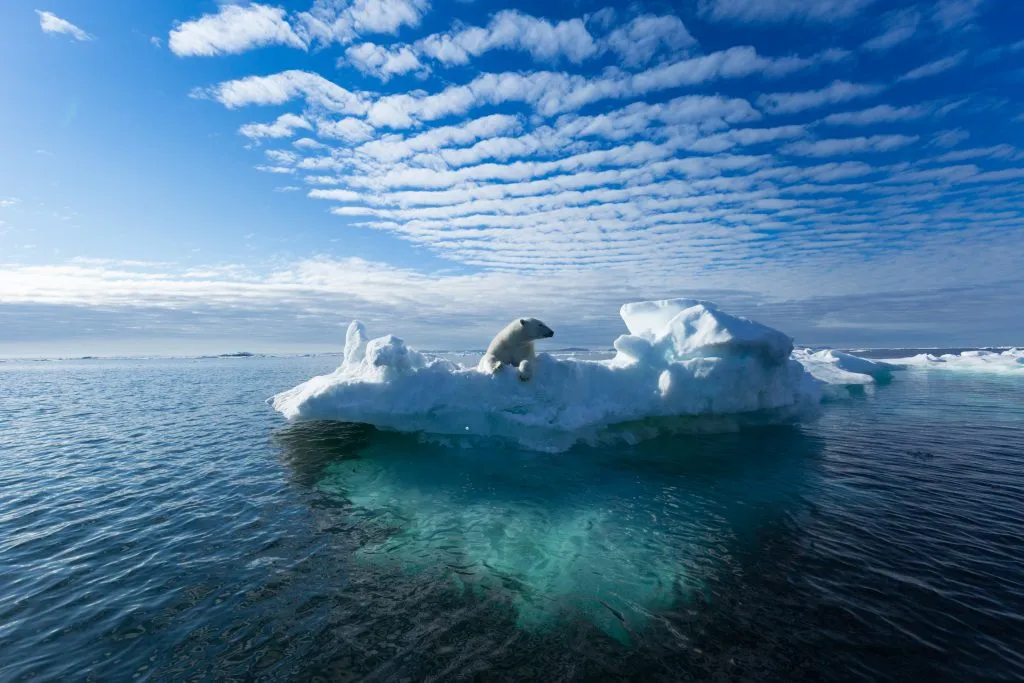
684	364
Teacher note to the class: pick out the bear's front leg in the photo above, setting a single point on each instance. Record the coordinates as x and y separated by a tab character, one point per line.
525	371
489	364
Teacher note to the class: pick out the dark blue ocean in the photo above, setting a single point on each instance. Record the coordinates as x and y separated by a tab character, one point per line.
158	521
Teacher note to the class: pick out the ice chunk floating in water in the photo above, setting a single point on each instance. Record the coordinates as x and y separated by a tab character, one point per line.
1008	362
839	368
684	364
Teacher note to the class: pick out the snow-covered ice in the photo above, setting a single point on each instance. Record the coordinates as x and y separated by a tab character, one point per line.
684	364
840	368
1010	361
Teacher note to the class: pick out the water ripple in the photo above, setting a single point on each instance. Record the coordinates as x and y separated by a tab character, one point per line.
158	522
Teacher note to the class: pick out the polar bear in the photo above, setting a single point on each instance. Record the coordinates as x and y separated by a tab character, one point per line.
514	346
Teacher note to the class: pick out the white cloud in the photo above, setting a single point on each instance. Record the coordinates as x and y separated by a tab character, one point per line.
858	145
1003	151
282	157
745	136
275	169
900	26
382	62
233	29
308	143
8	202
395	148
156	41
837	91
51	23
781	10
549	92
637	42
952	14
552	93
512	30
946	174
883	113
934	68
348	129
638	168
342	21
337	195
950	138
283	127
284	86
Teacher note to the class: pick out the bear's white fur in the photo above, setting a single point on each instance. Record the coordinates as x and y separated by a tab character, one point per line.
514	346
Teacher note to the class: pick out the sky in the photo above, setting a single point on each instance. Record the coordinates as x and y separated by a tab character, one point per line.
195	176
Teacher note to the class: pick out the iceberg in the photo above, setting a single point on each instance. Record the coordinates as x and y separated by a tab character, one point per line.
840	368
684	364
1008	362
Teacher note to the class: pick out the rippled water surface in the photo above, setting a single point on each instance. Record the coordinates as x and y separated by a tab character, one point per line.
159	521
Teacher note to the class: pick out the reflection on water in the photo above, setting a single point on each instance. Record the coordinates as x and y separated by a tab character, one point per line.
613	535
151	533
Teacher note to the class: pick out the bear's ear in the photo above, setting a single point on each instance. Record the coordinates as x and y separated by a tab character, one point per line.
522	321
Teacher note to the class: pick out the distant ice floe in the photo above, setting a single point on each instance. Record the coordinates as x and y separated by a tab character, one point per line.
1010	361
685	364
838	368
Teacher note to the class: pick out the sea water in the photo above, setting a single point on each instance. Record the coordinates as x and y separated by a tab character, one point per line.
158	521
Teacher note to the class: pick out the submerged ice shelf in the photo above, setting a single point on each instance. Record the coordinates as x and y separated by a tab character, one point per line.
685	364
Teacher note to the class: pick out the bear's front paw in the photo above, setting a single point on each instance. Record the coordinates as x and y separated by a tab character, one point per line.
525	371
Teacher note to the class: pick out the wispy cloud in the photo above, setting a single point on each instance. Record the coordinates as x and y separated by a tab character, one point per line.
883	113
283	127
1003	151
950	138
955	14
837	91
934	68
835	146
275	169
284	86
900	26
51	23
781	10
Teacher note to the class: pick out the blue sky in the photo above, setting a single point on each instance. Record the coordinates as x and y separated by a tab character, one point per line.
186	177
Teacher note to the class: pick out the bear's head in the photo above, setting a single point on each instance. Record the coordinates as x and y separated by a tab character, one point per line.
535	329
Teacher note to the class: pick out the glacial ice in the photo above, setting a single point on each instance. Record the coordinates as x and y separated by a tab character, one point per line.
840	368
685	364
1008	362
